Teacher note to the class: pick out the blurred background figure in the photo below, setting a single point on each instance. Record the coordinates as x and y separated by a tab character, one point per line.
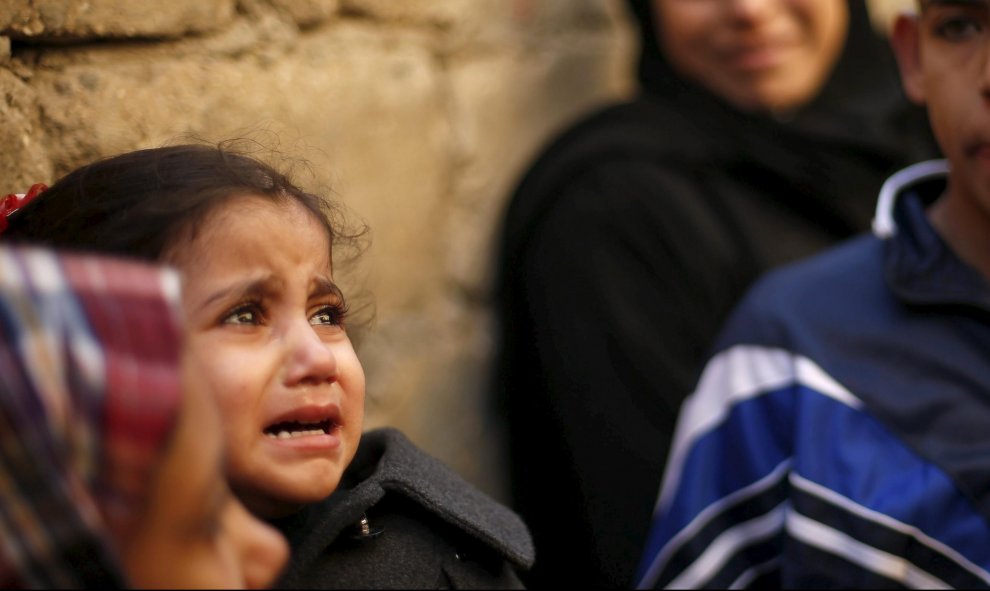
112	477
762	133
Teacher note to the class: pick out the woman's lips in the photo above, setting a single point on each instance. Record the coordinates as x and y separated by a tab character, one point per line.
756	57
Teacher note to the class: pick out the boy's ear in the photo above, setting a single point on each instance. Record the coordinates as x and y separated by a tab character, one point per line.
905	39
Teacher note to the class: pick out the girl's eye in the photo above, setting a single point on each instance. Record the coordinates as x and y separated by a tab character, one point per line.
329	316
245	314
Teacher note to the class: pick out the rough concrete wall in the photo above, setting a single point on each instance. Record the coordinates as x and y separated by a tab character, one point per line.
417	114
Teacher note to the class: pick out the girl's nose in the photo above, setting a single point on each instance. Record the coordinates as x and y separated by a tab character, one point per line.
309	360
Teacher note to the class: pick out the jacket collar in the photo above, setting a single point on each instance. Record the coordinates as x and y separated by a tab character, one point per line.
387	462
920	267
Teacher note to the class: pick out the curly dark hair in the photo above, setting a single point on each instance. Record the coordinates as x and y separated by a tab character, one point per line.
138	204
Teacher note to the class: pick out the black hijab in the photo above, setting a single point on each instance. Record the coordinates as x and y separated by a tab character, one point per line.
861	116
864	80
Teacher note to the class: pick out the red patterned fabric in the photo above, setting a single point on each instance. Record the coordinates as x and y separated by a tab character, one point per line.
89	395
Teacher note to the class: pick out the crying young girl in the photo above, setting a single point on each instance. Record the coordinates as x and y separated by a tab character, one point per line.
267	337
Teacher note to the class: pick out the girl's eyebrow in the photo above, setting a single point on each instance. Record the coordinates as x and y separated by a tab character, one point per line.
322	286
251	288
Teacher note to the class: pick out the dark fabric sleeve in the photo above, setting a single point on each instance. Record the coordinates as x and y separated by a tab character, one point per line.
621	291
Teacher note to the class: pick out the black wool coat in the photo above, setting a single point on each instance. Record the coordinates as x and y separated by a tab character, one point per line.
424	528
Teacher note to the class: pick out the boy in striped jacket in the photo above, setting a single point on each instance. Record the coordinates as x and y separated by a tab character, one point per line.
840	434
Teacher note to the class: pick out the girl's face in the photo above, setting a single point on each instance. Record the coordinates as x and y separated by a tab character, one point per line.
758	55
267	340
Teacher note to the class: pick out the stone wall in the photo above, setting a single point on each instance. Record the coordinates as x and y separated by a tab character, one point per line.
416	114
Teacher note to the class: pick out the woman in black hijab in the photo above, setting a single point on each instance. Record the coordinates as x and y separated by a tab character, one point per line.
636	231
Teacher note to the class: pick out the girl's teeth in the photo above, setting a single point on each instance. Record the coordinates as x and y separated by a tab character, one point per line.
290	434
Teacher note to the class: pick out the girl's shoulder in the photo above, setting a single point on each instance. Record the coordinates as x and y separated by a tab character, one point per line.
391	464
402	519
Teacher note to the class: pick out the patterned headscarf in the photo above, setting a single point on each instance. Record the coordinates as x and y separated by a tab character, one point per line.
89	396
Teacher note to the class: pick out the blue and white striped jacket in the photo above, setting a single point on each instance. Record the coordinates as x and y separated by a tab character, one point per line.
840	436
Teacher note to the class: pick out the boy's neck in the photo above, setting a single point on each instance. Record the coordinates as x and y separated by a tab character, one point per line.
965	227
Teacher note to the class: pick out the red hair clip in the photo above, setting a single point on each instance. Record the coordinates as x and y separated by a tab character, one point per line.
13	202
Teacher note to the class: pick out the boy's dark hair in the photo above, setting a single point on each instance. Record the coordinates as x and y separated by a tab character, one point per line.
139	203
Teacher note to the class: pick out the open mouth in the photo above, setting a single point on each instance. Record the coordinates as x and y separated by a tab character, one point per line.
291	429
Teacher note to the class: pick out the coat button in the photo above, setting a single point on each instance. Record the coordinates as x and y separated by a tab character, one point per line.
365	531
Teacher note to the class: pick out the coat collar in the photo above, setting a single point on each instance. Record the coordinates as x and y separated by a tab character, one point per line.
921	269
388	463
402	468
